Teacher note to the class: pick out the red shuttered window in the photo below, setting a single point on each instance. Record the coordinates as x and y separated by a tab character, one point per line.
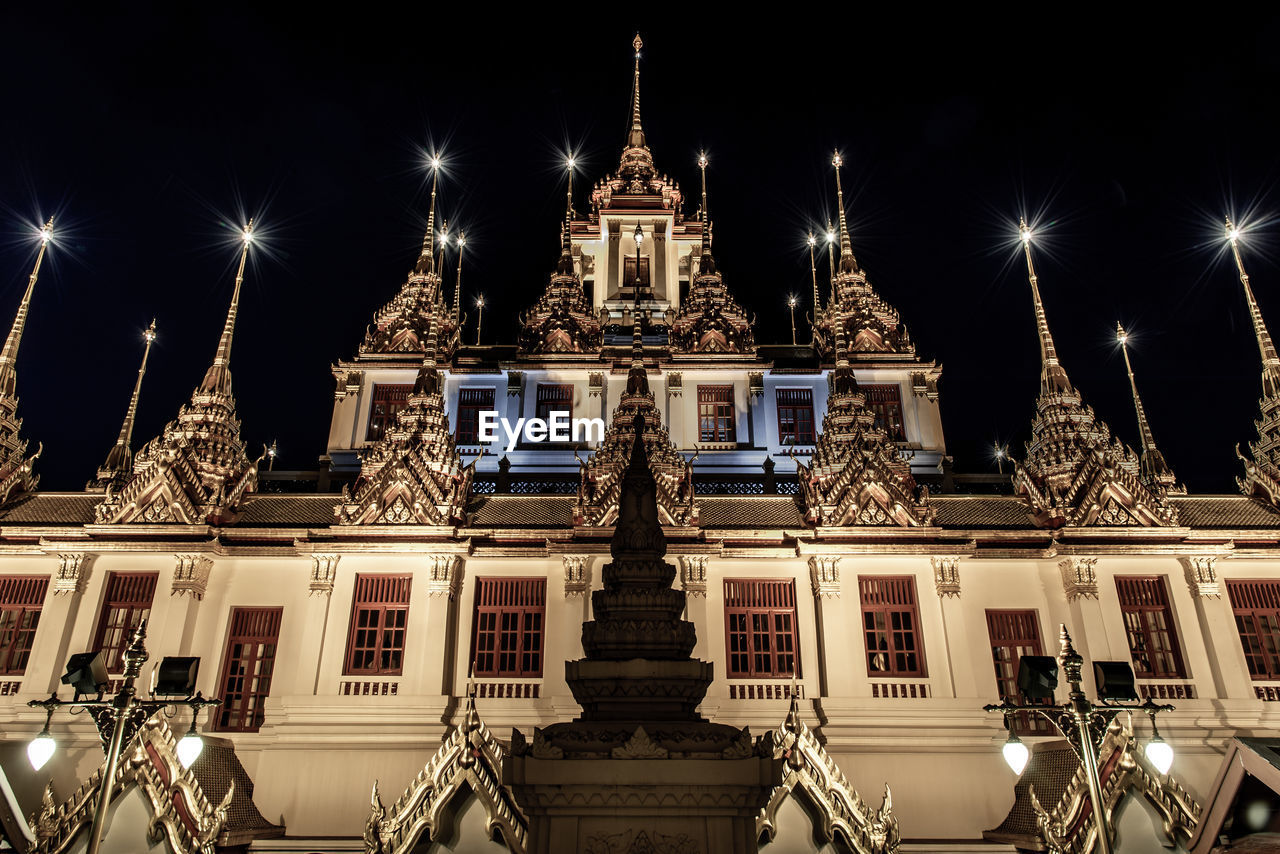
886	402
891	626
1148	622
553	398
388	399
509	619
128	603
21	598
715	414
379	615
760	627
795	416
1256	605
471	402
629	274
247	667
1014	634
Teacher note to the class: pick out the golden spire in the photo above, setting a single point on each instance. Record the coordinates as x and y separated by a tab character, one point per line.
119	461
461	240
568	210
426	261
1053	377
831	259
218	377
708	264
848	263
1270	359
1154	468
635	138
813	273
9	355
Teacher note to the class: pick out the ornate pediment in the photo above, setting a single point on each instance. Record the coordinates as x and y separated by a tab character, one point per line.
812	774
400	326
600	485
869	323
414	474
709	319
562	320
468	764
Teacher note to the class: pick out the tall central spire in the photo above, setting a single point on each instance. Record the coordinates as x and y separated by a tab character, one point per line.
426	261
848	264
1267	348
119	463
218	378
635	137
1053	377
1155	471
708	264
9	355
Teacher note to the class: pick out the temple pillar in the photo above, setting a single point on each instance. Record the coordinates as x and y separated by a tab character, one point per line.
173	634
1084	614
833	631
1231	679
315	621
52	644
955	628
613	260
444	584
658	275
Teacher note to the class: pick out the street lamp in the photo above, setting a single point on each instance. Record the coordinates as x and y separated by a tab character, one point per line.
635	285
479	317
1081	721
120	717
791	304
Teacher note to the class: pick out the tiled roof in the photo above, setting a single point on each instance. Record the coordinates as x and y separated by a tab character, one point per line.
1224	511
749	512
522	511
215	768
51	508
1050	769
286	511
963	511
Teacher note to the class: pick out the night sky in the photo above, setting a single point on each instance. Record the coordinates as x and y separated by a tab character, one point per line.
150	134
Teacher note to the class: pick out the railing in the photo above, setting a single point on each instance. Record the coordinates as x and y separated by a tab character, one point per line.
8	689
1167	690
368	688
900	690
509	690
764	691
1267	692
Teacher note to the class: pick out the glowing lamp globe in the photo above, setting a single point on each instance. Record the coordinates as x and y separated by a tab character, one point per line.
1016	754
1160	752
41	749
189	747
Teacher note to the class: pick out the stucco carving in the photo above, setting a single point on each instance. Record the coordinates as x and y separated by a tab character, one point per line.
191	575
693	575
577	575
946	576
824	573
73	573
1202	576
1079	580
446	576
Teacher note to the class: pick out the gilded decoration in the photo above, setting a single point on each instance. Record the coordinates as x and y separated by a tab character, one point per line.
577	575
824	574
191	575
117	467
182	816
631	842
1202	576
946	576
414	474
468	764
1079	578
563	320
812	774
324	571
73	573
1124	770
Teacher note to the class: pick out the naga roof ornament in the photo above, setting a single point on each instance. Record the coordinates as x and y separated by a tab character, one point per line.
709	319
196	471
870	324
1261	473
1075	473
1155	472
16	476
562	321
400	326
119	463
637	176
414	474
856	475
601	477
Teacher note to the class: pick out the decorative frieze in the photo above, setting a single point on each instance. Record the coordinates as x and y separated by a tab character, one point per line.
446	576
191	575
1079	578
595	384
577	575
755	383
1202	576
824	572
946	576
693	575
675	383
324	569
73	573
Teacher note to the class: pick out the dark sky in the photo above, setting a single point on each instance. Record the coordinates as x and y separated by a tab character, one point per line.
1127	138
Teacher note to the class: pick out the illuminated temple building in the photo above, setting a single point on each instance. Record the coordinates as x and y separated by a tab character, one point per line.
786	550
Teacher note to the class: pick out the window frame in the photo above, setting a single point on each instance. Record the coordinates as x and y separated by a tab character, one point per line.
22	596
902	583
382	594
723	412
1251	598
468	414
393	397
119	587
1015	646
552	397
761	601
795	406
629	278
523	600
883	399
247	705
1132	590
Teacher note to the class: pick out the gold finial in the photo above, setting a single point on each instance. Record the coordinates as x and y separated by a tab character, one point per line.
813	273
218	378
461	241
119	461
847	262
1053	377
9	355
1155	471
706	217
635	139
567	239
426	260
1267	348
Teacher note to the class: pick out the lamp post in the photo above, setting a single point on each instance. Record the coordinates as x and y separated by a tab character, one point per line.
479	317
791	304
118	718
635	285
1081	721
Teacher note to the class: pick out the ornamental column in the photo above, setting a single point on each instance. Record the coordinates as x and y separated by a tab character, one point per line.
840	669
175	632
693	581
315	622
436	677
956	636
1231	679
1084	612
58	614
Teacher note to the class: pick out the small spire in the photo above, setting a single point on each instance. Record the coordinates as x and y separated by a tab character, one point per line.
635	138
1154	468
9	355
813	273
565	266
1053	377
218	377
461	240
848	264
1270	359
426	261
831	260
120	458
708	263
